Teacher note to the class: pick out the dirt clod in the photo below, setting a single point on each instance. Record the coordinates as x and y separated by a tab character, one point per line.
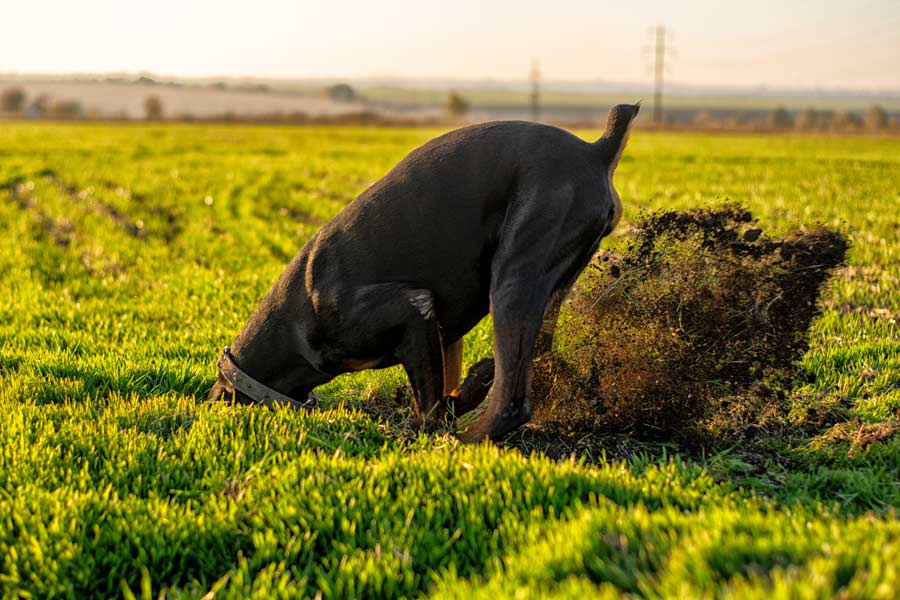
688	330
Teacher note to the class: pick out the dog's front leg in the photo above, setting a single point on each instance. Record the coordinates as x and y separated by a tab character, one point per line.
421	352
384	311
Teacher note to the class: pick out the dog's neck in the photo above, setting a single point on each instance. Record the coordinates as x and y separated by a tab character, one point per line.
268	348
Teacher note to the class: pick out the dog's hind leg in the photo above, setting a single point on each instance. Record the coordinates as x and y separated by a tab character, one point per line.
546	241
517	308
520	291
480	378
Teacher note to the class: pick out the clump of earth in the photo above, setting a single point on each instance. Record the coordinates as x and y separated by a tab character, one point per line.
695	328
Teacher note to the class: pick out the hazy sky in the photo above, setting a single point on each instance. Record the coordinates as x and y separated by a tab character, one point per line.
828	43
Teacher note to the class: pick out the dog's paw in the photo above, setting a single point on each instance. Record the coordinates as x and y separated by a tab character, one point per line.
474	434
475	388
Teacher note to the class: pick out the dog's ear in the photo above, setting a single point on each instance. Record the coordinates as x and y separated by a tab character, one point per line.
618	125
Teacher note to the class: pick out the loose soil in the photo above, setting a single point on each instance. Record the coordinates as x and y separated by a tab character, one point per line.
693	331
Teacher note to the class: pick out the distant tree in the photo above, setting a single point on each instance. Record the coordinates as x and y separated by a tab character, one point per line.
341	92
153	108
875	118
808	118
826	119
64	109
145	79
253	87
781	118
456	105
12	99
702	117
38	106
847	120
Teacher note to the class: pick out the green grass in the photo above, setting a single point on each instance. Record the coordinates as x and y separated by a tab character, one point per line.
129	255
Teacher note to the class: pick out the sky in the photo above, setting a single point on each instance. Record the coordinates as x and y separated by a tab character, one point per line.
773	43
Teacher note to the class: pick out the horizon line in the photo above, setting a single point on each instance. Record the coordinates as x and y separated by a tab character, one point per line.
440	80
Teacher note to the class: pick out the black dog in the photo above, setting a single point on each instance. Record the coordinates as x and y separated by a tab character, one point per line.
498	217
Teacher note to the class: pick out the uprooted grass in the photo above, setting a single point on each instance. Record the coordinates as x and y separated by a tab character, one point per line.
692	333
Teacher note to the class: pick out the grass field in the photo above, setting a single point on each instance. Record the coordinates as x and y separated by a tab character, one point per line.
129	255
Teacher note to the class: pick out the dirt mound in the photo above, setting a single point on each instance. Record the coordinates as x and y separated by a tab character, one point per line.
688	330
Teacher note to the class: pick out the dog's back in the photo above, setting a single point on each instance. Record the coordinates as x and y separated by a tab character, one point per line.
435	219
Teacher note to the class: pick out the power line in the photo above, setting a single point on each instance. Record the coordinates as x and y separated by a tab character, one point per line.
535	91
658	70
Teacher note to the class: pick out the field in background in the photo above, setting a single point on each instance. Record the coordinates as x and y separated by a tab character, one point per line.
122	96
681	107
126	100
130	254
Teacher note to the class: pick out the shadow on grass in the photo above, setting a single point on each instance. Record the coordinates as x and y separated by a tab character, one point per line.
788	466
9	364
61	382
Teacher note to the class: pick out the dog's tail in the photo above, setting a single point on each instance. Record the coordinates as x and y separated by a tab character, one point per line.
618	124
